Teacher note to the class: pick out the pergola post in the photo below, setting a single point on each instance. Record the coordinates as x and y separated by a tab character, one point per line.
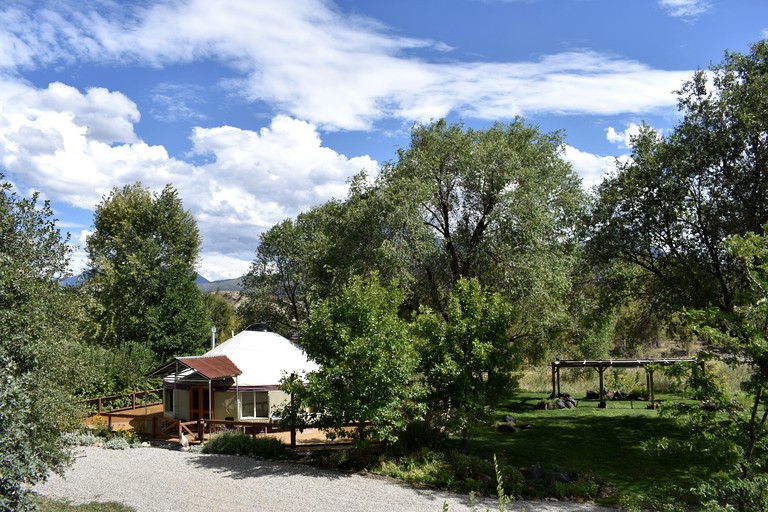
651	396
553	395
602	404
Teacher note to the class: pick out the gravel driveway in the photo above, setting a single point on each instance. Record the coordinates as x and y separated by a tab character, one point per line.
161	480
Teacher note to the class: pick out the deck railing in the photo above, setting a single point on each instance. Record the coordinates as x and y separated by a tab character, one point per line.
125	401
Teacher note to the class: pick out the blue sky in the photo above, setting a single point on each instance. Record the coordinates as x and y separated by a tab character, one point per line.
257	110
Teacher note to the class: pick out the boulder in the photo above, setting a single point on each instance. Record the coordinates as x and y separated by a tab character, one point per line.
507	428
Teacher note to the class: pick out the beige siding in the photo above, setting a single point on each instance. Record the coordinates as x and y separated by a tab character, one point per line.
277	400
225	405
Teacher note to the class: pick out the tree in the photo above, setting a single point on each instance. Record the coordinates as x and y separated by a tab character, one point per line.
367	363
499	205
669	210
738	435
275	287
142	255
36	340
681	228
468	360
222	313
314	257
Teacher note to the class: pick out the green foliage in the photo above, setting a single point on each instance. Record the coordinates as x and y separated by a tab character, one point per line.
238	443
48	505
274	287
367	363
142	257
468	360
79	438
658	226
117	443
222	313
36	345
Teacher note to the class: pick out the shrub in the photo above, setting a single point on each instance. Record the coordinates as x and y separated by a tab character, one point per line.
117	443
79	439
237	443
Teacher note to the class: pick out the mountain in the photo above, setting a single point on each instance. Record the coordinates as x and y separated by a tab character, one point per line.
205	286
226	285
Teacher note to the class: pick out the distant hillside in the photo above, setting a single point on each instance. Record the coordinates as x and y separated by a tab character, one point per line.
205	286
227	285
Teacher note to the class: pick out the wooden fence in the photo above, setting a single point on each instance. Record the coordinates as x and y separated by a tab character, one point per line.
158	427
117	402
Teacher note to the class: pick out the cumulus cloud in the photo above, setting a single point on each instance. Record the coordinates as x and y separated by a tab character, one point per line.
591	168
686	9
63	142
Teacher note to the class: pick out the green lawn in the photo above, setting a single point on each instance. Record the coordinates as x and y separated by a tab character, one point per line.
607	442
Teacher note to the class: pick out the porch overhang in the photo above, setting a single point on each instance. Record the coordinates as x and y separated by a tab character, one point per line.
208	367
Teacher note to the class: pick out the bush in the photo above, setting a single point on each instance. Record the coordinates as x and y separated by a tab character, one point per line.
117	443
237	443
79	439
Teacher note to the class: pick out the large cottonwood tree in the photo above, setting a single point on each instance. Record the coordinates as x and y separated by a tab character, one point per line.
142	256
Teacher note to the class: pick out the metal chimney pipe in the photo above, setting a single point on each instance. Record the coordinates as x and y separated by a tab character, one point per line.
213	337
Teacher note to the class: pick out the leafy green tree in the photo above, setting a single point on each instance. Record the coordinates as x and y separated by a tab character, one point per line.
469	359
142	255
36	343
499	205
275	287
670	208
222	313
738	435
367	363
314	257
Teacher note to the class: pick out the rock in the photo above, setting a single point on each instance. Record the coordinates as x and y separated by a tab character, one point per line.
709	405
569	404
592	394
560	404
509	419
533	473
507	428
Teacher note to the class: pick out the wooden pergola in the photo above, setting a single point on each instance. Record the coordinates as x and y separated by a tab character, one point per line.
601	364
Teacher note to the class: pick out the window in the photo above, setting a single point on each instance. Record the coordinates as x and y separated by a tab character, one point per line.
168	399
254	404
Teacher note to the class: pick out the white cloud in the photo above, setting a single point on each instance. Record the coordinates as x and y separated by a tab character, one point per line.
687	9
592	168
215	266
58	140
343	72
623	139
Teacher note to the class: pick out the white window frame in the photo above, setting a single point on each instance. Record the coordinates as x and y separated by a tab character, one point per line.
249	399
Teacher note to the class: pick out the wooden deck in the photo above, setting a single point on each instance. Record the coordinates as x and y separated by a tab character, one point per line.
148	421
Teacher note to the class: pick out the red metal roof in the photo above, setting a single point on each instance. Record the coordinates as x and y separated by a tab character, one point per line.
211	367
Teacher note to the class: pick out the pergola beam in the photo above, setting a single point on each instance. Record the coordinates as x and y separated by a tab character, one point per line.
601	364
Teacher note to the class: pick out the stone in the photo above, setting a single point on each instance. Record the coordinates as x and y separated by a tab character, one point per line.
506	428
533	473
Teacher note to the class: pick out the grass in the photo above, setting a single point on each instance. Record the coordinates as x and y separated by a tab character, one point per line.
609	443
606	451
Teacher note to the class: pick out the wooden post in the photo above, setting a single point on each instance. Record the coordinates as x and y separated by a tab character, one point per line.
98	405
558	380
154	427
133	401
651	396
553	381
602	403
200	430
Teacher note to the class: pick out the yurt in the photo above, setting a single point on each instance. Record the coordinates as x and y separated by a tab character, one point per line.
240	377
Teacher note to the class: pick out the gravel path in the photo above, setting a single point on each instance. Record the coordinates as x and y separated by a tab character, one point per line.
162	480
